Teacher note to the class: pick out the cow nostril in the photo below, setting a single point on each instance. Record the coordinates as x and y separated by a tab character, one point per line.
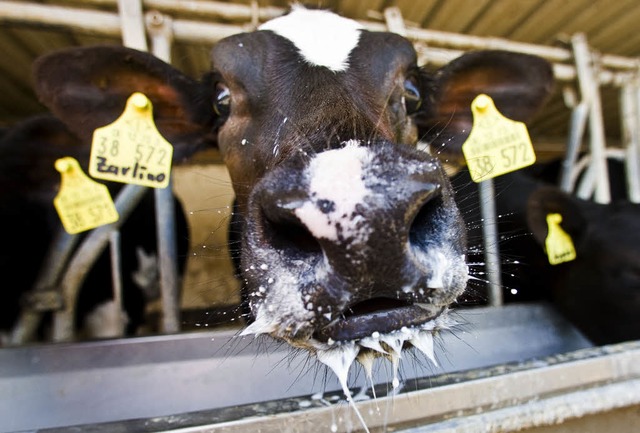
289	235
423	221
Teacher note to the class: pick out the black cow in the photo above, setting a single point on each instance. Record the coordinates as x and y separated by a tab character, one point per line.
600	290
348	233
28	184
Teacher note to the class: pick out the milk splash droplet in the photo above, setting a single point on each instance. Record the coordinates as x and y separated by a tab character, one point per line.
339	360
423	341
366	360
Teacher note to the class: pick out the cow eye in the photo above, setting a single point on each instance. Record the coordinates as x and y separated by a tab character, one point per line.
412	98
222	100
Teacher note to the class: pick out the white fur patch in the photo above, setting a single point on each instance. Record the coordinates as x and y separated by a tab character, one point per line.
323	38
335	177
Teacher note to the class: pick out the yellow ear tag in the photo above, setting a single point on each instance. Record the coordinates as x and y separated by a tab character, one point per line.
131	150
558	243
82	203
496	145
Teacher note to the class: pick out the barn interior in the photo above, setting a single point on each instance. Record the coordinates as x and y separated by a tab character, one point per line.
514	366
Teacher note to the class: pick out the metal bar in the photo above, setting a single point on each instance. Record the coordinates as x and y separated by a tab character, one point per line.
544	412
514	401
57	257
633	149
591	96
160	27
167	252
133	29
629	126
585	187
490	239
468	42
578	121
201	32
395	23
86	255
92	22
208	9
225	377
116	267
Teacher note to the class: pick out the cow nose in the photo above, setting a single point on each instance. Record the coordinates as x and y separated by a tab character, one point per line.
362	233
302	225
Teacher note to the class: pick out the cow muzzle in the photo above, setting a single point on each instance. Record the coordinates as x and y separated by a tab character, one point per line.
352	242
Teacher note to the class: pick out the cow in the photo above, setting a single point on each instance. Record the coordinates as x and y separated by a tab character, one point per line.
350	240
28	184
599	291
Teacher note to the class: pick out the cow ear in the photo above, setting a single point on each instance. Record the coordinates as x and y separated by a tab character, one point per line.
546	200
88	87
518	83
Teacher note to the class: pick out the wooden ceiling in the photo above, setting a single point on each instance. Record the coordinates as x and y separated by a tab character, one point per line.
610	28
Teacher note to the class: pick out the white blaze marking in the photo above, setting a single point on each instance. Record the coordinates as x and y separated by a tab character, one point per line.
323	38
336	176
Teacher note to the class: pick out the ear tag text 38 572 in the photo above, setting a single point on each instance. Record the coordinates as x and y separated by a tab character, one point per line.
558	243
496	145
131	149
82	203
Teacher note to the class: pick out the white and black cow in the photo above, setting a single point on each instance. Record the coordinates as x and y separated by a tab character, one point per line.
349	235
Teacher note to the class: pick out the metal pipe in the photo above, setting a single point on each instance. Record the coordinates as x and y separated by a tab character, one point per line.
160	30
468	42
576	132
57	257
201	32
394	21
116	266
629	126
84	258
548	411
591	96
117	329
133	29
205	9
167	252
490	239
633	148
88	21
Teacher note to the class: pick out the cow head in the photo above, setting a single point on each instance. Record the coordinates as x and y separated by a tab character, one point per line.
600	290
347	230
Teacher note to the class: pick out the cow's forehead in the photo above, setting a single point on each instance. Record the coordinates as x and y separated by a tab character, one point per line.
322	38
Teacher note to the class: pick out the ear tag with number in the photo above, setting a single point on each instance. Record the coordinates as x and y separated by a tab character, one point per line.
131	150
558	243
496	145
82	203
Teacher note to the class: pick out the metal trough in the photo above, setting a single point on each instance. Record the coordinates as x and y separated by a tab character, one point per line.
69	384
